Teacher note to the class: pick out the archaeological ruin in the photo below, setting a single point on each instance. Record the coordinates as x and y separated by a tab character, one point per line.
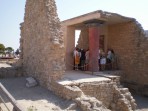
112	31
46	54
41	41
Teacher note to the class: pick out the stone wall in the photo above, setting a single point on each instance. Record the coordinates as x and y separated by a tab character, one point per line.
131	47
102	91
42	47
104	96
10	72
83	40
122	41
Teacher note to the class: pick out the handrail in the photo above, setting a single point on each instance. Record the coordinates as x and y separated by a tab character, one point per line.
16	106
2	100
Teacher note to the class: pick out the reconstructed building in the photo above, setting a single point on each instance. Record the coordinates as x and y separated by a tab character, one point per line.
45	50
107	30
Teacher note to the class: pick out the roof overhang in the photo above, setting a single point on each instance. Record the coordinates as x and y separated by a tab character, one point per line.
105	17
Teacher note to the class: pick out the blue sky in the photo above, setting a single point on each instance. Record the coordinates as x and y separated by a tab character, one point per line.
12	14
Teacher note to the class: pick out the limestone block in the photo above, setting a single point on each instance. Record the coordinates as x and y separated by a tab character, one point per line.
31	82
124	90
72	92
72	107
90	104
85	105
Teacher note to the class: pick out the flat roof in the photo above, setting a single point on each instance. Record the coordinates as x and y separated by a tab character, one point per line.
107	17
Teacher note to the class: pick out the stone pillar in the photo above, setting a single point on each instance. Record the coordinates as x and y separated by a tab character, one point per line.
70	46
94	34
83	39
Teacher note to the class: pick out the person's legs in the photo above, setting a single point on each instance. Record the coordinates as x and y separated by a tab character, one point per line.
109	64
76	66
103	65
86	65
99	65
82	65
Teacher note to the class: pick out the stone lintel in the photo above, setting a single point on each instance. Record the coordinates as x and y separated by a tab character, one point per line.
93	23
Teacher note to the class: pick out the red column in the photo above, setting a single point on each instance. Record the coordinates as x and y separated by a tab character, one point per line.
94	34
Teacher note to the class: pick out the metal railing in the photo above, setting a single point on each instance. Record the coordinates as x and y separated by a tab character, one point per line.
16	106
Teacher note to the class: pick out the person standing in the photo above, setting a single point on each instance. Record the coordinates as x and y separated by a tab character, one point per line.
86	60
109	57
113	60
76	58
82	59
102	62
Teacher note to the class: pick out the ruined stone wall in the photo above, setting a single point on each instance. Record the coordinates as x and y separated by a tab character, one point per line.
10	72
42	47
104	96
120	40
142	55
101	91
131	48
83	41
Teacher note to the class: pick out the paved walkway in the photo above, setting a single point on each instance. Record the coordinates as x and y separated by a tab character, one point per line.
76	77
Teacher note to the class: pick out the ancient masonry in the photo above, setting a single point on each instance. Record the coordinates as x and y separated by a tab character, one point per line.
103	95
42	57
128	40
41	42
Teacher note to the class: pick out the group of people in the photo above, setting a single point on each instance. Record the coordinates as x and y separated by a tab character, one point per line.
106	61
81	59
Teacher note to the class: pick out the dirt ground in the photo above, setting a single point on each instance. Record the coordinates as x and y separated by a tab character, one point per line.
42	99
38	97
142	102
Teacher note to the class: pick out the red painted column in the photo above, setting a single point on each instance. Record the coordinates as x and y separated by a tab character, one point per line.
94	33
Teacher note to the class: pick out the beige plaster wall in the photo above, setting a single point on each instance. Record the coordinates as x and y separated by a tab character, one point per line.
70	46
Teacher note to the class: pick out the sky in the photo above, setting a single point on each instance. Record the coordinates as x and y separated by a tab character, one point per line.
12	14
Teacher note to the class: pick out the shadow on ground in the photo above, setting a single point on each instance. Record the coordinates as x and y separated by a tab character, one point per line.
142	102
46	100
38	96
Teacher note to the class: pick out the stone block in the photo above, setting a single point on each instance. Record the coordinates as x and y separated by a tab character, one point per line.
31	82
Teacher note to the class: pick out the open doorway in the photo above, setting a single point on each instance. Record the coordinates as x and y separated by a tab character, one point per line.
77	35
